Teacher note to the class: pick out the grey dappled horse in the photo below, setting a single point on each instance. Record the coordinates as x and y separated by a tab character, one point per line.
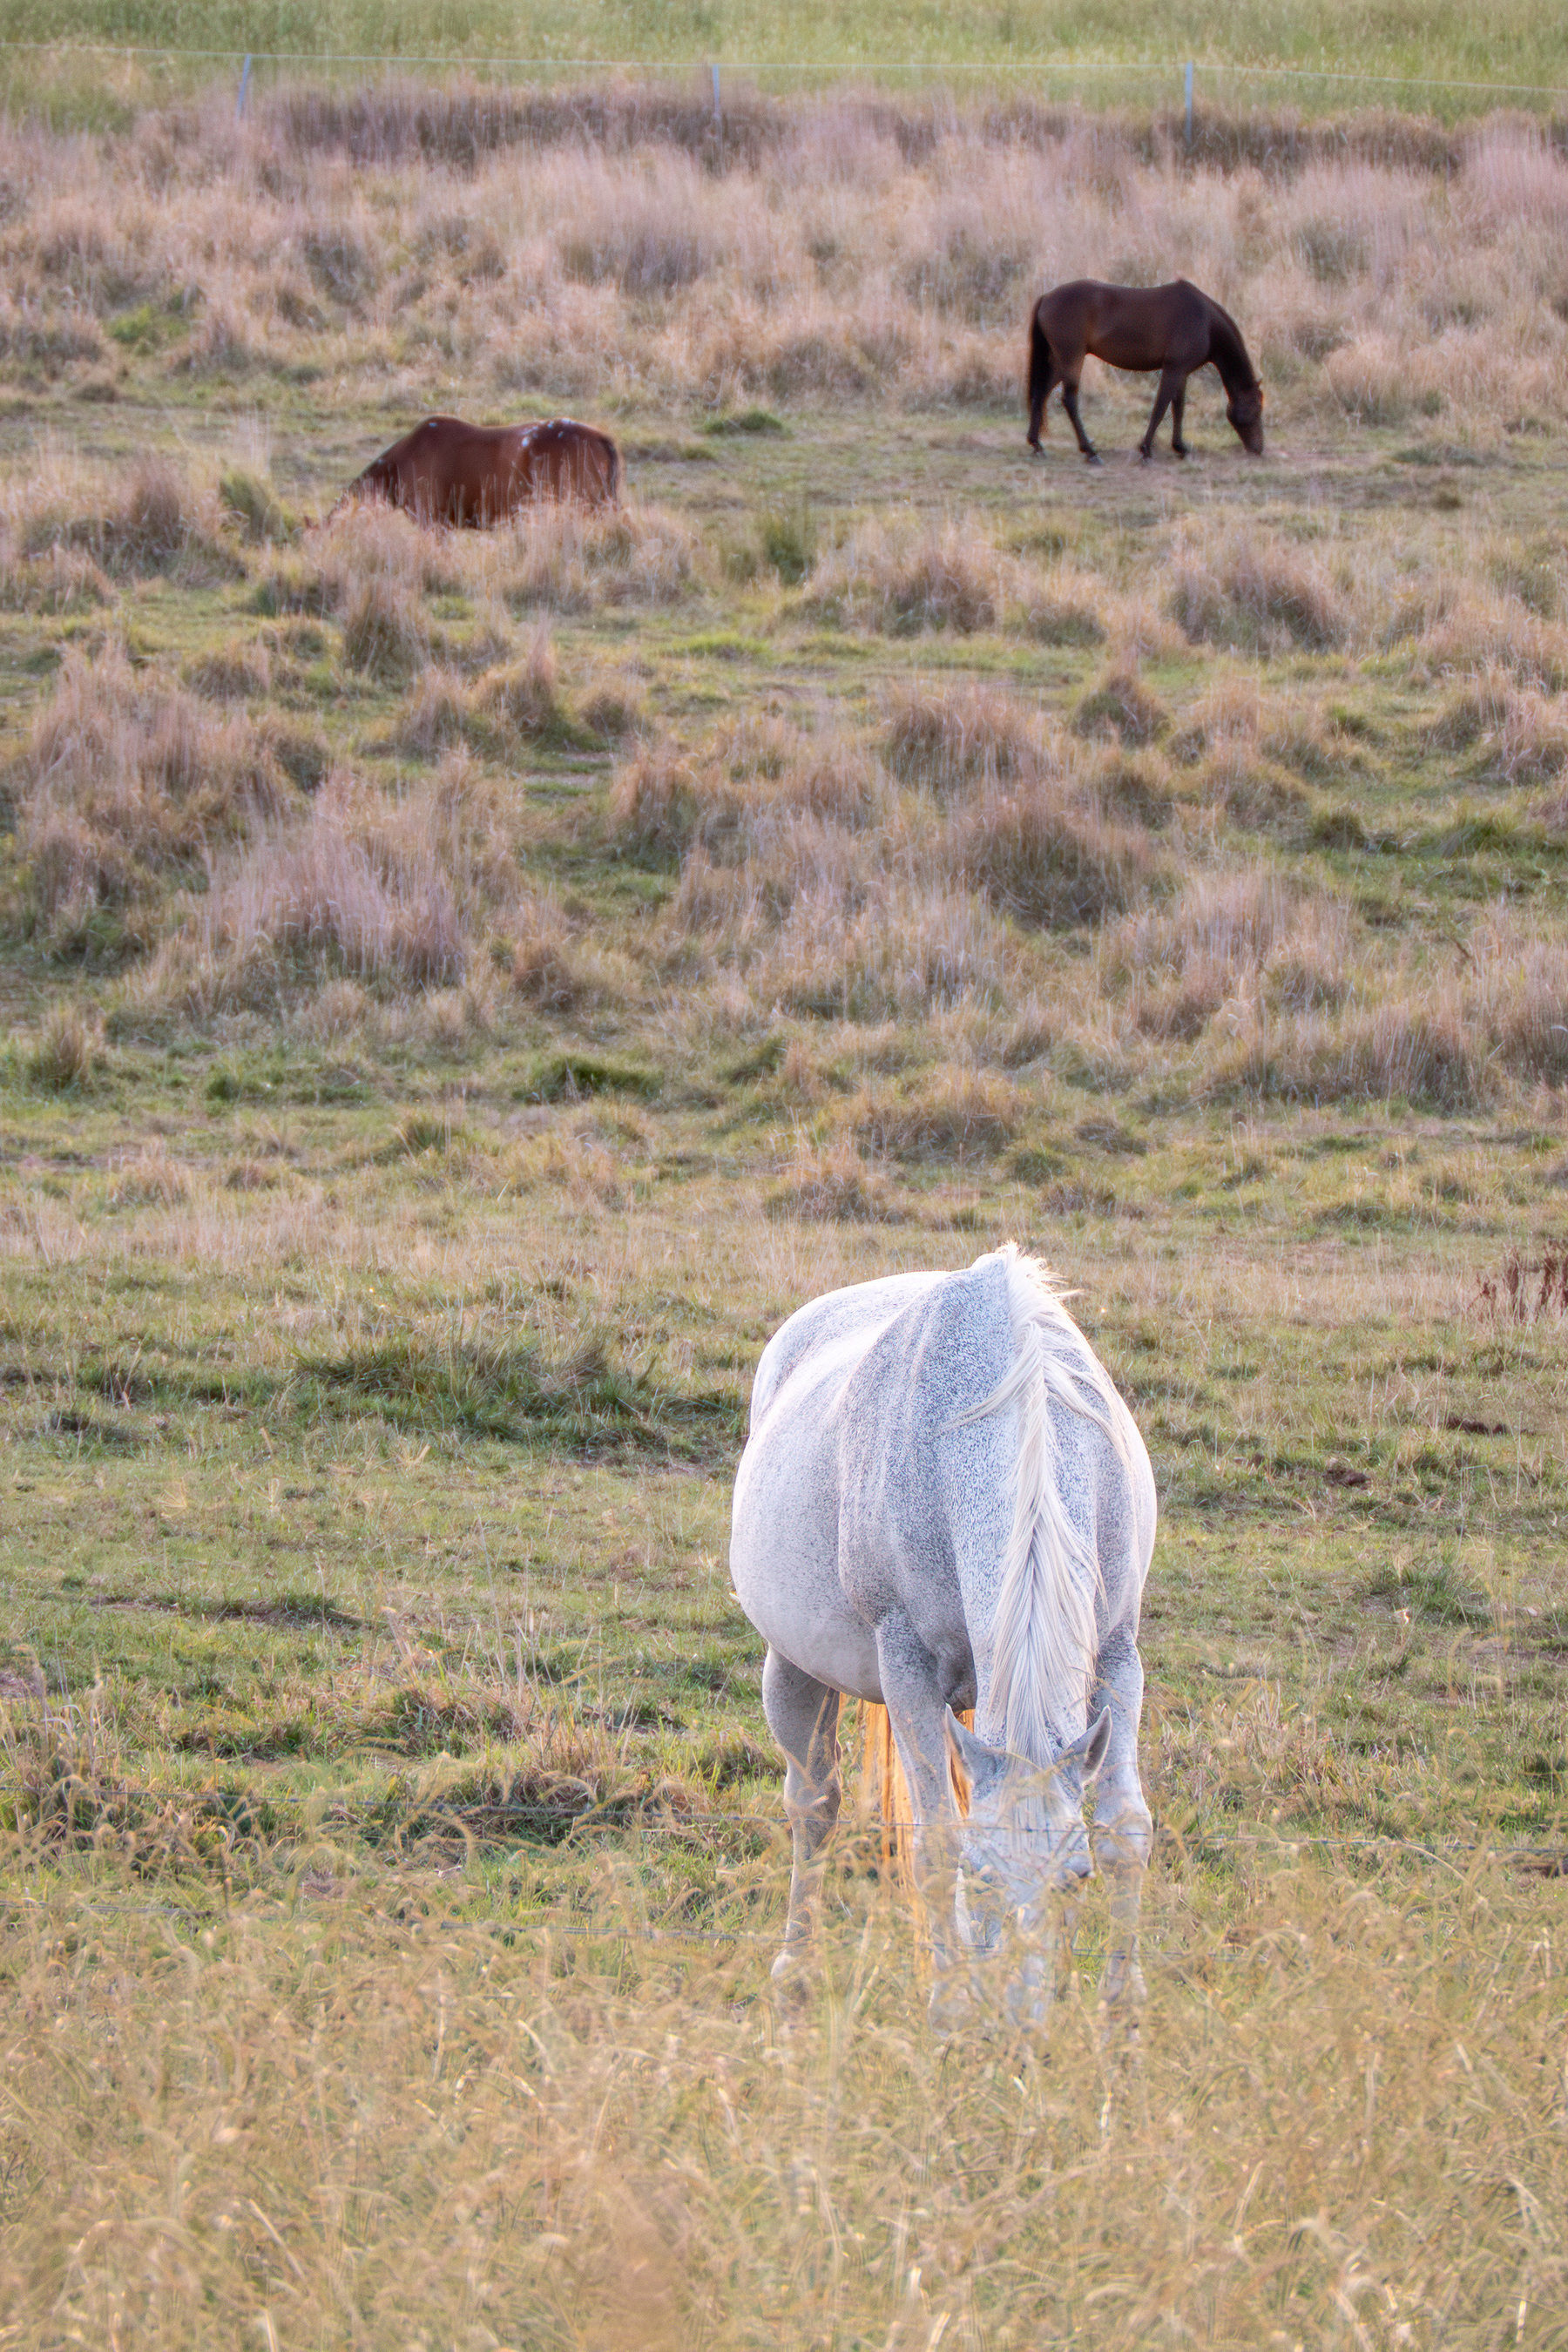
943	1502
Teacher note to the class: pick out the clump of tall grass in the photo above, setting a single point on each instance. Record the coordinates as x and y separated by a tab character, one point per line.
1489	635
1517	997
438	712
1216	940
523	698
956	1113
657	227
387	891
152	1177
65	1779
952	736
367	556
1256	592
887	949
546	971
657	2192
1122	704
1227	739
565	559
758	789
152	520
236	672
384	632
1048	854
126	781
68	1049
654	800
936	576
836	1185
57	581
1515	736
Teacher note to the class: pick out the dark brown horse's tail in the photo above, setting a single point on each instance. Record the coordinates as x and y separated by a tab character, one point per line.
1041	371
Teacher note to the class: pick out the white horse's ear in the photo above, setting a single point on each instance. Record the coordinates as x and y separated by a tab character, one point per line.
1091	1751
978	1763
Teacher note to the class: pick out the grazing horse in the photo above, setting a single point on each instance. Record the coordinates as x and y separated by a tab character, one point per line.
943	1504
1176	329
446	471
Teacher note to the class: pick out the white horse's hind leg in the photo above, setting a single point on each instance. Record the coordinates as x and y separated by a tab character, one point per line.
912	1695
1123	1830
803	1715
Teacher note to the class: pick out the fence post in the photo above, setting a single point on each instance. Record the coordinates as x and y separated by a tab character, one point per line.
1189	102
244	86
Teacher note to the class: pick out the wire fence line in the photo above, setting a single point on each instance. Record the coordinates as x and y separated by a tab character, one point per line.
1041	68
1286	1845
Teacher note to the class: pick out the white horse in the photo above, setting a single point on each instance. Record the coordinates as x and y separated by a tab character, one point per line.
943	1502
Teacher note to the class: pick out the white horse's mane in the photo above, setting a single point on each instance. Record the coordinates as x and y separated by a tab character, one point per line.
1043	1635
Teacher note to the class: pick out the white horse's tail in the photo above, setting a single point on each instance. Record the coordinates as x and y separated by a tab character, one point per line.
1044	1637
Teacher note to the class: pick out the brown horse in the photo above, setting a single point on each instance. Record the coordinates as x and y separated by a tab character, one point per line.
446	471
1173	328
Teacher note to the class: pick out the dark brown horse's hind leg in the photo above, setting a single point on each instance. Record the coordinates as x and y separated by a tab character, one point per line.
1178	408
1038	410
1070	402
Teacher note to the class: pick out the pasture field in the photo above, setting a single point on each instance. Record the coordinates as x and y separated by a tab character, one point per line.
1516	42
461	993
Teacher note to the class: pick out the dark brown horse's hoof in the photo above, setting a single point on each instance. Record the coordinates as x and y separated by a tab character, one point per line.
1093	457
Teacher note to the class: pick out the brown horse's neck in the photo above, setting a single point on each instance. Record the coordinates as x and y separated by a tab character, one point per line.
1228	353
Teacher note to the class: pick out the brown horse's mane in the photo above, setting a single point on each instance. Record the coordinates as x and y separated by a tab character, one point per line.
1227	348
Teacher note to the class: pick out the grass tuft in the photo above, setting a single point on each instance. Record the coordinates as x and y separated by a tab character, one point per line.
68	1050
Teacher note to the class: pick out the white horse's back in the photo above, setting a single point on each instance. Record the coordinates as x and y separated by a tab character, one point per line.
832	1330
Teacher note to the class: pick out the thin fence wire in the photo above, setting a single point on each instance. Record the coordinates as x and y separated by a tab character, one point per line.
1285	1843
1041	68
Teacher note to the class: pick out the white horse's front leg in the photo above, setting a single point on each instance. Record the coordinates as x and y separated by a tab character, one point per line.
1123	1830
803	1715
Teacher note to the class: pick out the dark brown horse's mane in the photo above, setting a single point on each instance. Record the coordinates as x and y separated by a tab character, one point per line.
1226	348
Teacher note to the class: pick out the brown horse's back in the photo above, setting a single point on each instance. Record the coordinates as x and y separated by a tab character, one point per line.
448	471
1138	328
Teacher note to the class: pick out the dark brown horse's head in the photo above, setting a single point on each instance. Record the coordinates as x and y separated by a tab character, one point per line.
1244	410
378	483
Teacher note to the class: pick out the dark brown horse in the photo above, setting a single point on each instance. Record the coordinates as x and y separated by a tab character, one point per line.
1139	328
446	471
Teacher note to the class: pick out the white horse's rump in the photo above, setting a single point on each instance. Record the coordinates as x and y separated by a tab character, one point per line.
944	1504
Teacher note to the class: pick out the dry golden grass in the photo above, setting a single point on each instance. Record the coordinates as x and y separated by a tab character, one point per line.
1048	856
126	781
385	892
67	1048
344	2108
836	254
1257	593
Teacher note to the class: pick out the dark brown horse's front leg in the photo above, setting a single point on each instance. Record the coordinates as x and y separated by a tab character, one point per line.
1172	388
1070	402
1178	409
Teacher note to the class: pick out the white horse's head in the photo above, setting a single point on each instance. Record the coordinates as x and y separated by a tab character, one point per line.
1025	1840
